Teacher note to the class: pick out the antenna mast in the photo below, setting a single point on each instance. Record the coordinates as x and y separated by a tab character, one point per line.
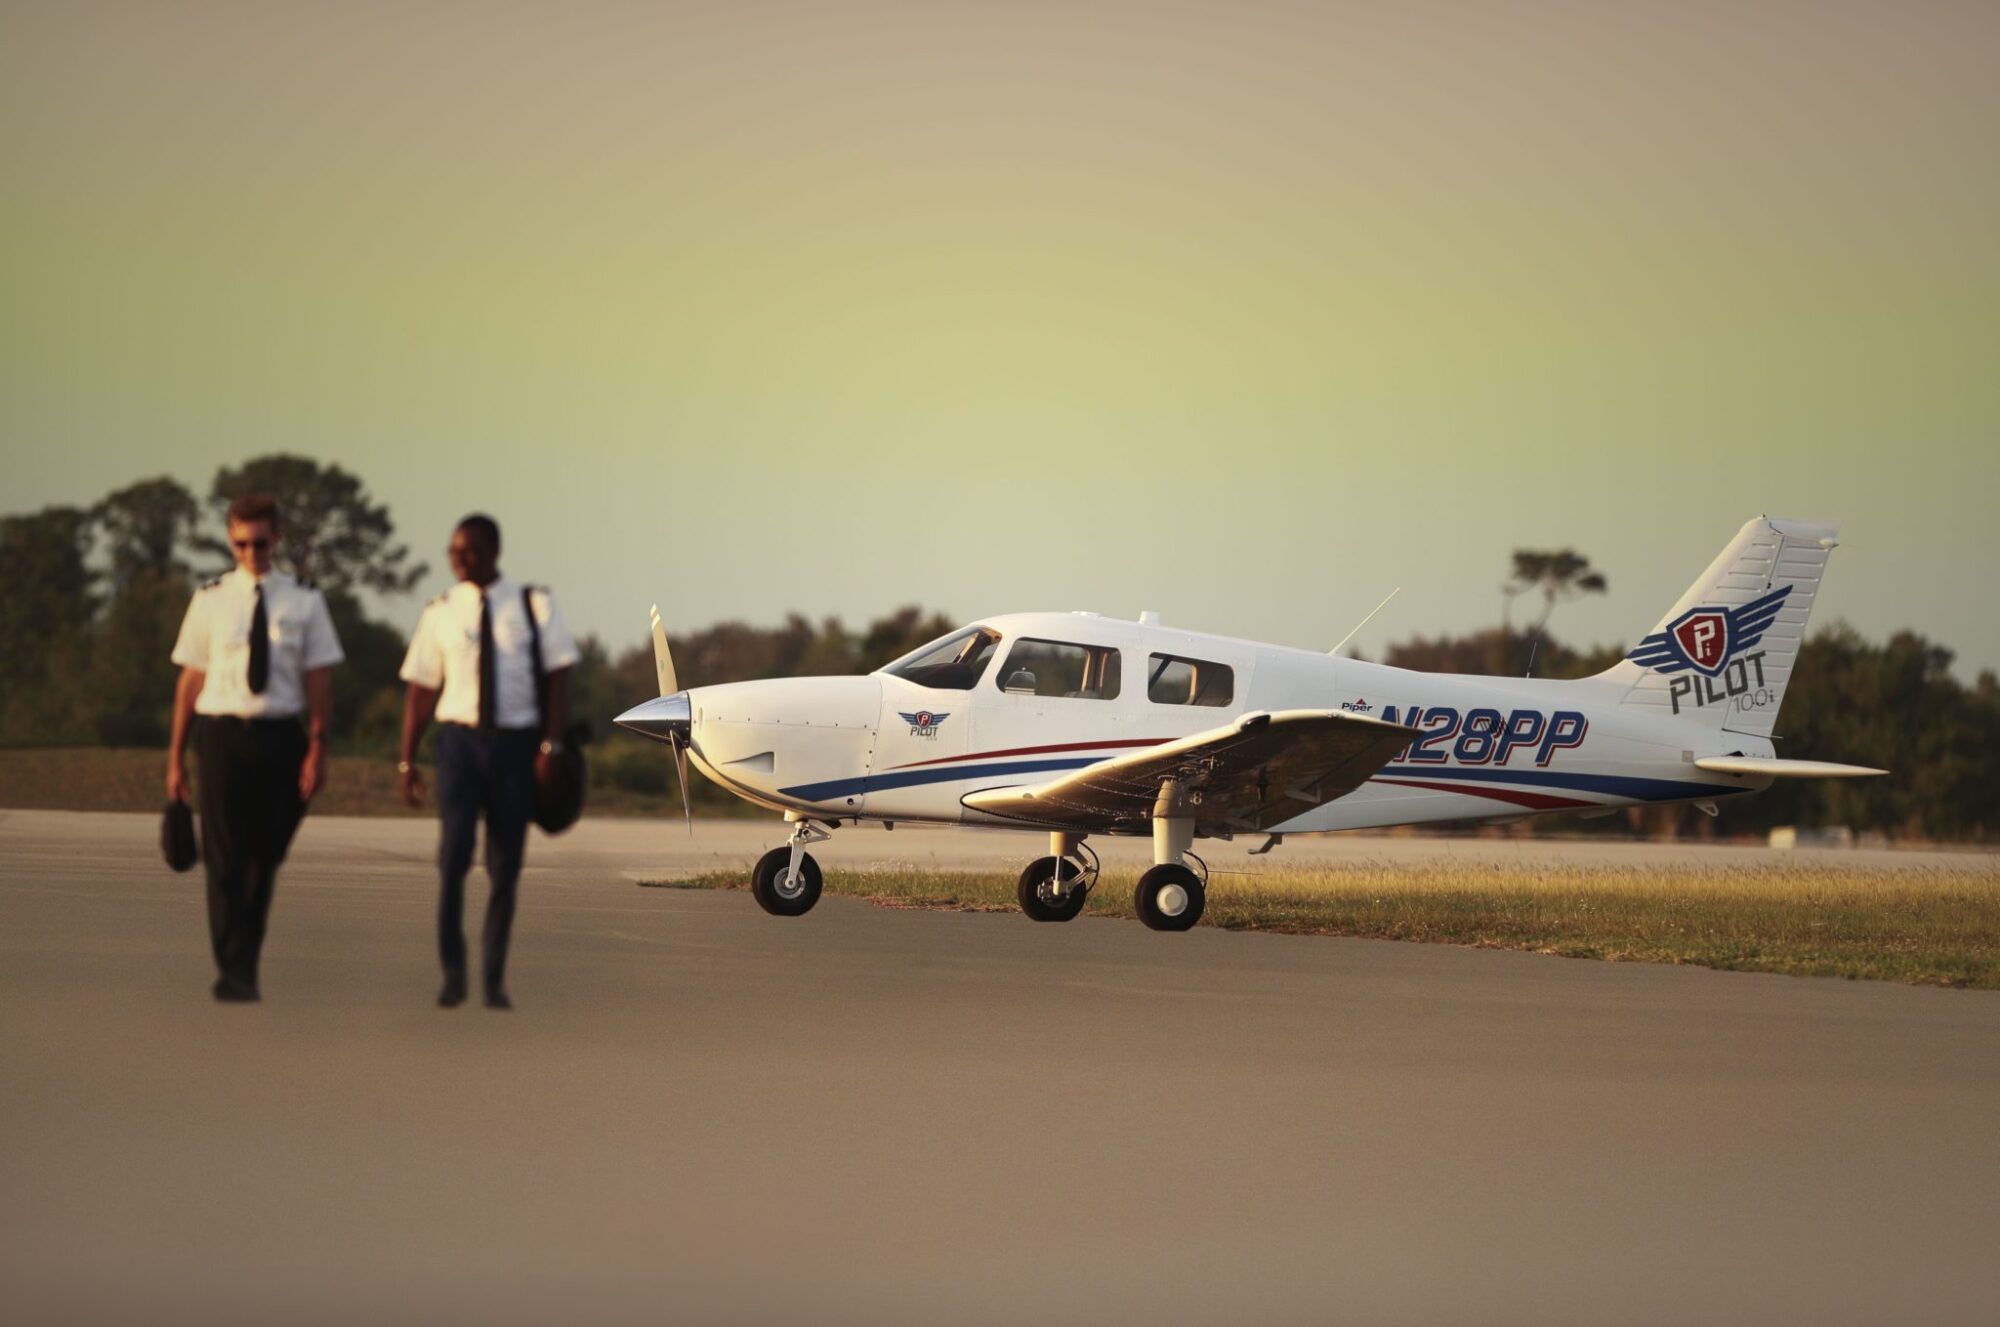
1366	620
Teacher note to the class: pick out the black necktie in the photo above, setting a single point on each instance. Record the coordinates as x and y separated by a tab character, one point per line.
260	647
486	664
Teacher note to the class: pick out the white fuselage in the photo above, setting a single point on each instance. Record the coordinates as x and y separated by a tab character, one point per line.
882	747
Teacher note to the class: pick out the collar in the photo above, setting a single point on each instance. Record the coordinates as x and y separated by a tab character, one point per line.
498	590
273	578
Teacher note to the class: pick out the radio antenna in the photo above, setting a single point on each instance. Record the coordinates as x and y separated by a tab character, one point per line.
1366	620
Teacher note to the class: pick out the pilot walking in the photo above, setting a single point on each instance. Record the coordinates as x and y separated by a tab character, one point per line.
472	665
256	652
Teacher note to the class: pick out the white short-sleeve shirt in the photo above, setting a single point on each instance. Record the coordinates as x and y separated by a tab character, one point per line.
444	652
215	641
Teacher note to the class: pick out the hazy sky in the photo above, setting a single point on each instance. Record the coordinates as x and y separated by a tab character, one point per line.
1243	313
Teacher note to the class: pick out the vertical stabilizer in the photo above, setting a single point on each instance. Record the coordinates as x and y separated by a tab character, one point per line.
1724	654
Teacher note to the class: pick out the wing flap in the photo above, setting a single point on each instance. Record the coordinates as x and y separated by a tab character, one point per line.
1259	771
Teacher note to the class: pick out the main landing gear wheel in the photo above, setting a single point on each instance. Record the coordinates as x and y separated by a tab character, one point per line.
1046	901
778	891
1170	898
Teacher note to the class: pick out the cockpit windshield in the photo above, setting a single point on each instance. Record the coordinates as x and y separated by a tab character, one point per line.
952	664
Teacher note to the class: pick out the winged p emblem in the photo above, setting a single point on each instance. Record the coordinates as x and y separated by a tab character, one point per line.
1706	639
923	723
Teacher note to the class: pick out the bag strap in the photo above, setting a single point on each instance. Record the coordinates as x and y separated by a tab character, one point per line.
535	645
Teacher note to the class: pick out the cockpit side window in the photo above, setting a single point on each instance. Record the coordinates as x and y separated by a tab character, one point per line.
1173	680
1060	668
955	663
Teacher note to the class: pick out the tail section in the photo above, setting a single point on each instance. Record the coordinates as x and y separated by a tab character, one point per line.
1724	654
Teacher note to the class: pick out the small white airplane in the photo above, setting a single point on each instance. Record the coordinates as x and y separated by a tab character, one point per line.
1072	724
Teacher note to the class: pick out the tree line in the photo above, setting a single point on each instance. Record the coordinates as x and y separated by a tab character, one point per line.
95	597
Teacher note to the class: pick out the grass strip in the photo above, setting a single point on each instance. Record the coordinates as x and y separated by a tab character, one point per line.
1934	928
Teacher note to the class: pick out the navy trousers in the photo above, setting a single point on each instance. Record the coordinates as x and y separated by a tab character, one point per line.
250	809
490	776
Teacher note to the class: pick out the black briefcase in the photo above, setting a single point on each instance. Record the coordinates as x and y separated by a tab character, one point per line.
559	796
177	841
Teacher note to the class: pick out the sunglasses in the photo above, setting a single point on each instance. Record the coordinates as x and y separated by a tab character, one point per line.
245	545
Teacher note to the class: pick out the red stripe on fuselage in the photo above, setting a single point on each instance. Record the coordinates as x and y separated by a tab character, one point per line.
1536	801
1038	750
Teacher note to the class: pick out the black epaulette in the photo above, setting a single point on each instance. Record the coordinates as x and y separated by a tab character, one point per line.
216	582
306	582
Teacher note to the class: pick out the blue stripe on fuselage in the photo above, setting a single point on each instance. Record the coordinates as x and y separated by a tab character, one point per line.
875	783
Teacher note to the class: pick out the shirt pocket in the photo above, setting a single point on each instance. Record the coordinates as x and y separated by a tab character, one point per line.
510	634
288	633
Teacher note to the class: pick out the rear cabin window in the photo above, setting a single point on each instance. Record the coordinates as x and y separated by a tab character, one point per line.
952	664
1059	668
1173	680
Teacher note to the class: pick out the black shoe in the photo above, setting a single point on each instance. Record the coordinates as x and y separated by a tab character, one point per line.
453	994
229	990
498	1000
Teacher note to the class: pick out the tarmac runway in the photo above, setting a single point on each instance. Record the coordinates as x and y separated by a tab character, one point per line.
700	1113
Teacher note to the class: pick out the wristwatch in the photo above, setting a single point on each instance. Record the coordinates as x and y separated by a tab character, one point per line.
402	767
550	748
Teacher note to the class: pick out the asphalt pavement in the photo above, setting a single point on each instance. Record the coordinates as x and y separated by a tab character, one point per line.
701	1113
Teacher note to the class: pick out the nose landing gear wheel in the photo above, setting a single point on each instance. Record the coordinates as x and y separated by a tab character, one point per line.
1040	897
1169	898
780	893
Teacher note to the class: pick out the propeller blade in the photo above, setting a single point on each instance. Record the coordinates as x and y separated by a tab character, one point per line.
675	728
663	658
681	772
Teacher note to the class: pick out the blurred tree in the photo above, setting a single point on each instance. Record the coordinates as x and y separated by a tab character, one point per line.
1559	574
45	620
1894	706
333	533
142	531
890	638
367	697
1475	654
145	528
131	672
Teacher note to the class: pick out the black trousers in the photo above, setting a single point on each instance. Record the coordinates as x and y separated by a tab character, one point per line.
489	775
250	809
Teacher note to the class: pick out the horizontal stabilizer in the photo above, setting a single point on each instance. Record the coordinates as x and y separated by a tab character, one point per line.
1772	768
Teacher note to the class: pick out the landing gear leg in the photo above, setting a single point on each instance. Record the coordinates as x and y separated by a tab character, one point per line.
1053	888
1171	896
786	881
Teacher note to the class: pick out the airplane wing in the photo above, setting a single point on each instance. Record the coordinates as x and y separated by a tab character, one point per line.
1259	771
